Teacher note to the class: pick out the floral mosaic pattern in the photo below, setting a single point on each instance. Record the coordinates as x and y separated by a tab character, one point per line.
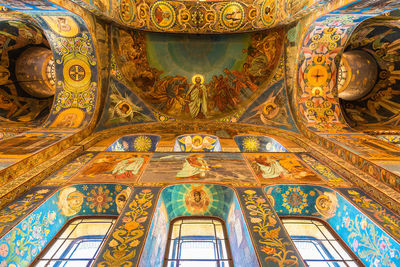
365	238
99	199
72	45
373	246
123	247
295	200
22	206
273	245
381	215
24	242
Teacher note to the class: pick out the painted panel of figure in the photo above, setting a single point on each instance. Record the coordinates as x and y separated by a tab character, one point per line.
183	167
112	167
187	77
282	167
197	143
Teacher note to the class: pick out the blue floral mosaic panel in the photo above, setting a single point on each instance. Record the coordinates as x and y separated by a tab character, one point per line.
25	241
372	245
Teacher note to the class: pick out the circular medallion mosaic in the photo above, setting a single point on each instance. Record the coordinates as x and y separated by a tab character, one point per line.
162	15
76	74
232	16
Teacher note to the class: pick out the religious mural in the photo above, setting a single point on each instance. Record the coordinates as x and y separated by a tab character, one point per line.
29	142
189	77
378	37
156	240
282	167
198	199
197	143
270	109
21	99
62	175
123	107
239	238
171	87
113	167
197	167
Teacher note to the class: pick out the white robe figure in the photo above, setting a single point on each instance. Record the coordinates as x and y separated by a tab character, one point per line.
128	167
273	170
198	99
193	167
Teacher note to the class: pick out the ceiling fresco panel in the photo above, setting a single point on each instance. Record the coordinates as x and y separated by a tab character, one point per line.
191	77
123	107
380	107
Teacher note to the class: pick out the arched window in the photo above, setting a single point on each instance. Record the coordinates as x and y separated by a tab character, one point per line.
77	243
197	242
318	244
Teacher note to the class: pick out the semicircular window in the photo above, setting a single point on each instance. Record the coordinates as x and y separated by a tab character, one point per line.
197	143
135	143
258	143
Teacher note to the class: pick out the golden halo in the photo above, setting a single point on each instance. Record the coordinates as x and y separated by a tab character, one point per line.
197	75
273	105
197	137
316	88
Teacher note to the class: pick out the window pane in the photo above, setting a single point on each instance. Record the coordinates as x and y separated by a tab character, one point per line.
220	231
175	231
68	231
332	254
90	228
304	229
77	244
222	250
86	249
343	253
197	264
308	250
197	242
200	230
196	249
69	263
53	249
316	243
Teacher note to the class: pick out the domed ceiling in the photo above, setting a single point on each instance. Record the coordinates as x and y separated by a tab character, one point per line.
27	77
379	39
197	76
